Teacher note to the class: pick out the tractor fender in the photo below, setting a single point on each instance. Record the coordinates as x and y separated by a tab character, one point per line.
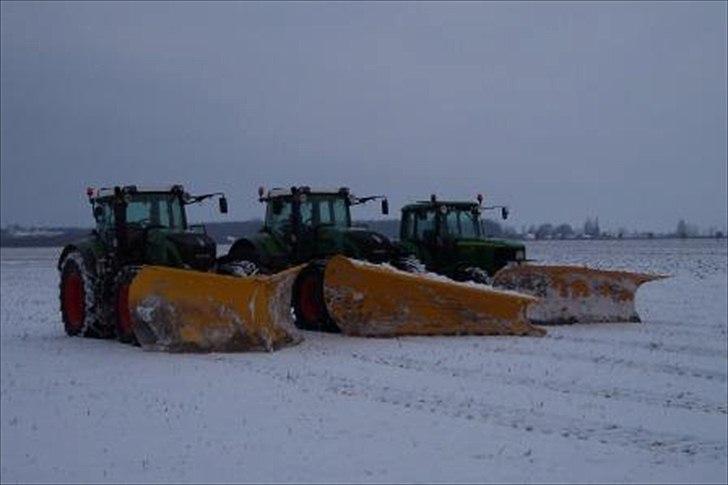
86	248
69	248
361	243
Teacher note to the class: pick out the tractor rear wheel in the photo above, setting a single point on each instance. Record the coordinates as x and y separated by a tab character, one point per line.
309	305
79	307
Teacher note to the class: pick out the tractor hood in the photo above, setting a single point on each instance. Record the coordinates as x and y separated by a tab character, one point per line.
197	250
361	243
181	248
491	243
487	254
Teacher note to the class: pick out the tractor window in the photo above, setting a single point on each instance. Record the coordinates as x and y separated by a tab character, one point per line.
314	210
155	209
341	212
408	225
425	225
324	212
170	214
461	224
469	225
307	213
105	222
280	222
329	211
139	211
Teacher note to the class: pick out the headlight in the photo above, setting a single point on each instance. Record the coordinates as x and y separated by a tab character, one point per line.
520	255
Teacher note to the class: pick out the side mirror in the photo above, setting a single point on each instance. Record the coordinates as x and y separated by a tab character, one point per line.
223	205
385	206
98	213
504	213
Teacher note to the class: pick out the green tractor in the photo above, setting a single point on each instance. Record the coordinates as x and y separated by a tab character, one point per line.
134	227
304	225
449	238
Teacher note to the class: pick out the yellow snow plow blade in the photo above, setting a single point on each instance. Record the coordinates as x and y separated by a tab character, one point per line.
372	300
182	310
570	294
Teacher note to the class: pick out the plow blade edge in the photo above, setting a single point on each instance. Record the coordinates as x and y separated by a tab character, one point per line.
570	294
371	300
182	310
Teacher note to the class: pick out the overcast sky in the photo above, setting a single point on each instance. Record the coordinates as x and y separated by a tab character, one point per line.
561	111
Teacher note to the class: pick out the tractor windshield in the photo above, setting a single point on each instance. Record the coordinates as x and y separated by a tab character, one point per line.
461	223
155	209
316	210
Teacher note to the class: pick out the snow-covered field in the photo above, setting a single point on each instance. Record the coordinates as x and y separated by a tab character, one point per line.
599	403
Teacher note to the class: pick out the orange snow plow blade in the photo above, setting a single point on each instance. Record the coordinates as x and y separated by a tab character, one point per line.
570	294
182	310
377	301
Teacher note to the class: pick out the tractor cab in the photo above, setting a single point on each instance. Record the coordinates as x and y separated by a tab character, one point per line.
303	224
440	221
149	226
294	212
314	223
302	209
449	237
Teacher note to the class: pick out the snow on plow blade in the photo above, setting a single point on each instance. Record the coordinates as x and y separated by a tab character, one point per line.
182	310
372	300
570	294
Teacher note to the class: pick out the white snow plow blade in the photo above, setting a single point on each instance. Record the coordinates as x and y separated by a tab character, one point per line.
571	294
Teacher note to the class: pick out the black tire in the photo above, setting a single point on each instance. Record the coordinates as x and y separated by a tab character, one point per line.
409	263
239	268
79	298
477	275
309	306
123	317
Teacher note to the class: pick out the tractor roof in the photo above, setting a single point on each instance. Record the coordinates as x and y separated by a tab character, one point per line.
109	191
428	204
286	192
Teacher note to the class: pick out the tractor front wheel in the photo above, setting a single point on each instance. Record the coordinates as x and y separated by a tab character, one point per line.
477	275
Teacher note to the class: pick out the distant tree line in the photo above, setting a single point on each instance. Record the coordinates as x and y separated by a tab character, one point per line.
227	232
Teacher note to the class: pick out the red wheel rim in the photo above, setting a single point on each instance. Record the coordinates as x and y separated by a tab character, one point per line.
73	300
310	307
125	324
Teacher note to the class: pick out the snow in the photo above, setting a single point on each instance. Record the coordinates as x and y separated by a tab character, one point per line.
586	403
